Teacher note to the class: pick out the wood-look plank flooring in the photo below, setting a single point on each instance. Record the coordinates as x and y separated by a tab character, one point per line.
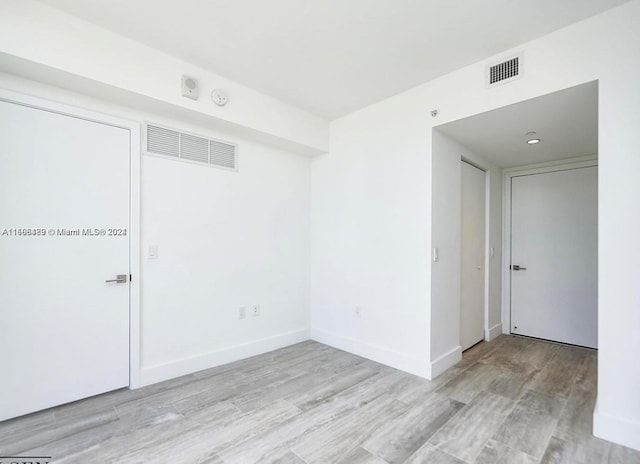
513	400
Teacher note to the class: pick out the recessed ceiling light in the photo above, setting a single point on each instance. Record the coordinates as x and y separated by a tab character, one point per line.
531	138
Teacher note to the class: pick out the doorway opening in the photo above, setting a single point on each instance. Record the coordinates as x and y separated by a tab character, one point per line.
517	145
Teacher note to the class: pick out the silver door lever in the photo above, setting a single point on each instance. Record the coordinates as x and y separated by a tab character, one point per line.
120	279
515	267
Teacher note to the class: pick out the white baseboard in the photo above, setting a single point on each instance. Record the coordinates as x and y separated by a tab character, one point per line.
444	362
170	370
375	353
616	429
493	332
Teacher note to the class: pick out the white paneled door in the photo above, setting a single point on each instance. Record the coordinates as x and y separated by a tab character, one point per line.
64	232
554	269
472	252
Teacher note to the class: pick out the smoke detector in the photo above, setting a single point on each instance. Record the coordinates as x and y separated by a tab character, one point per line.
219	97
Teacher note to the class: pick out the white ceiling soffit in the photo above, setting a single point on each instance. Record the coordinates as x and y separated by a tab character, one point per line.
566	123
331	57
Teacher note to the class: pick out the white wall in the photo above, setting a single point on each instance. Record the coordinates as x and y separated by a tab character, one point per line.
446	204
372	218
108	63
370	237
225	239
445	233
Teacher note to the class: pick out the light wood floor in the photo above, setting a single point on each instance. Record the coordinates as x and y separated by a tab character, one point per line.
510	401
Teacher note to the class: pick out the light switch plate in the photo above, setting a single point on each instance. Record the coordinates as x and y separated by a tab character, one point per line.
153	252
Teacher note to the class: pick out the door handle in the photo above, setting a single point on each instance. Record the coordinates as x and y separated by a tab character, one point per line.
120	279
515	267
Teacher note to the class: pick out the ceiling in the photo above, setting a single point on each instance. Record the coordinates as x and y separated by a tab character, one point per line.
331	57
565	121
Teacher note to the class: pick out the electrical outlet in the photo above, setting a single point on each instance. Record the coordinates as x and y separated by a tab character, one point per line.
255	310
242	312
358	311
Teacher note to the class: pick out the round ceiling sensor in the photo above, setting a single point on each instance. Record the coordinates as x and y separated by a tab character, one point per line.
219	97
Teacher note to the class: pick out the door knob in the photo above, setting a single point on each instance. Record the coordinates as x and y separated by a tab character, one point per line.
120	279
515	267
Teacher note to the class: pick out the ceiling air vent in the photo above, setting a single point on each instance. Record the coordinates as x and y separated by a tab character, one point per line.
189	147
505	71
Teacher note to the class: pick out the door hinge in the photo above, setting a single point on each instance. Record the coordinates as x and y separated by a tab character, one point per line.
130	278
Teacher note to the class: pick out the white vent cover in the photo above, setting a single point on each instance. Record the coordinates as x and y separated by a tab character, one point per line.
189	147
504	71
163	141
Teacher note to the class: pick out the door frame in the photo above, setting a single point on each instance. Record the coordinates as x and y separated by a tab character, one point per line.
508	174
134	206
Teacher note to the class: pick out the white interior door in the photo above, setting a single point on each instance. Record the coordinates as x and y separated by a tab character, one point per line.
554	226
65	331
472	252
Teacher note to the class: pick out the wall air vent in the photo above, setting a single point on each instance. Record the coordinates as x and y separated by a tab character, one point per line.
175	144
504	71
163	141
